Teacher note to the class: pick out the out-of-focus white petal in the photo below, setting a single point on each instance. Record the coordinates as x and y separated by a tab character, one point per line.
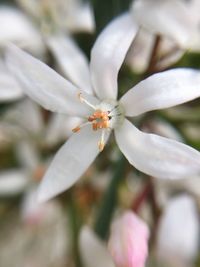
12	182
32	211
9	88
169	60
44	85
81	19
162	90
70	162
178	232
70	15
60	128
93	250
31	7
170	18
164	189
46	244
194	7
163	128
28	155
18	29
138	56
155	155
24	112
71	59
108	54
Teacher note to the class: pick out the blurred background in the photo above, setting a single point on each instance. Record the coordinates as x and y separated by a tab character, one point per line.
48	234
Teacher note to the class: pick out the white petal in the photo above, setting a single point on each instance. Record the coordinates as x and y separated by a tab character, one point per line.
163	128
168	61
108	55
27	154
93	250
162	90
81	19
182	243
168	17
71	59
138	56
60	128
22	113
31	210
31	7
18	29
44	85
70	162
155	155
9	88
13	182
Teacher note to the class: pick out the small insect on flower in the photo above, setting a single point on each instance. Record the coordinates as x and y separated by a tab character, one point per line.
102	112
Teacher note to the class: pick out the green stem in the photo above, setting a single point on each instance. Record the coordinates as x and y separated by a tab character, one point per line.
75	223
110	200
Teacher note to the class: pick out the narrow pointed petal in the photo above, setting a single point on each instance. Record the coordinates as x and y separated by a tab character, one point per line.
155	155
162	90
71	59
93	248
70	162
108	55
44	85
168	18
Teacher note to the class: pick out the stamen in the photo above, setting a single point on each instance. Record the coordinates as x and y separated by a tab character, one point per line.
83	100
101	143
78	128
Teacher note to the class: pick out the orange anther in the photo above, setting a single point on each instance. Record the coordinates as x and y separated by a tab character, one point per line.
76	129
95	126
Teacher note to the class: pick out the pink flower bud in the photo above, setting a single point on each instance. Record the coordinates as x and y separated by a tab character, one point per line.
128	242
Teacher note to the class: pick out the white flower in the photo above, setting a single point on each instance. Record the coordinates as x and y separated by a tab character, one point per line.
151	154
59	19
176	22
178	232
45	244
170	18
18	28
70	15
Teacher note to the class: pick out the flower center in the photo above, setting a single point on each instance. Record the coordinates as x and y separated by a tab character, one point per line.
106	116
100	120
